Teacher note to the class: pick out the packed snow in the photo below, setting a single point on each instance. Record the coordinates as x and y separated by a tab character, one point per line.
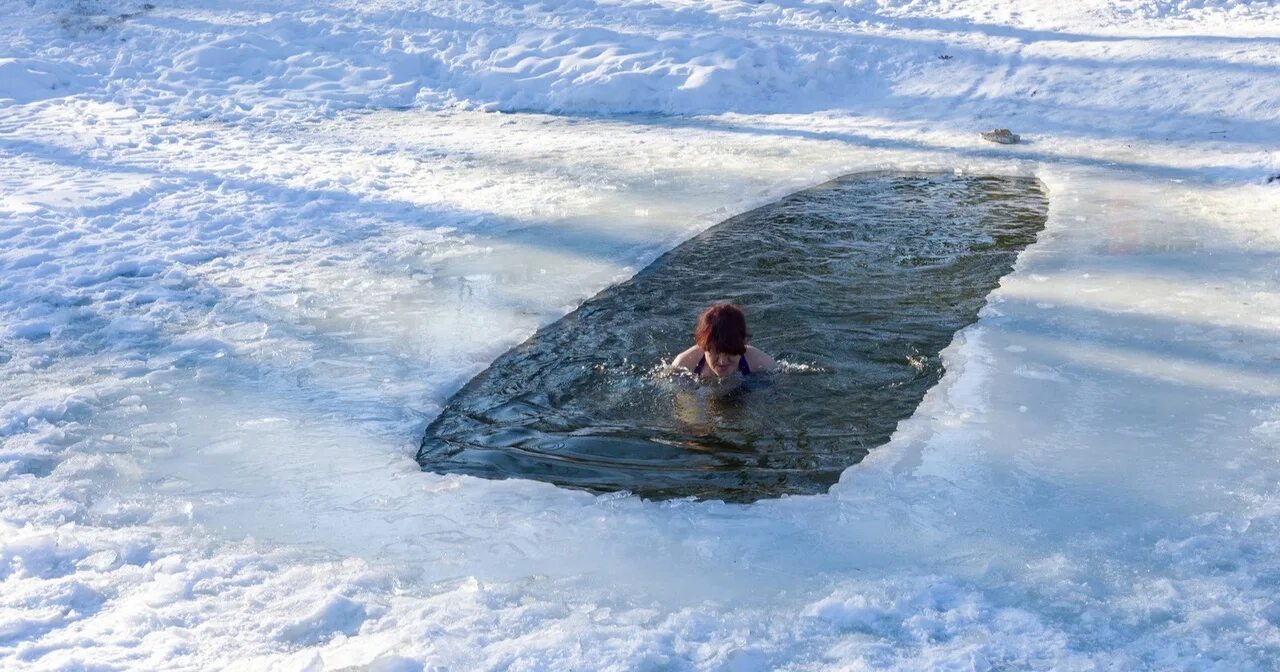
248	249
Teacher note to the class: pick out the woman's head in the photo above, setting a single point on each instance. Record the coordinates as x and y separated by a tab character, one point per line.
722	329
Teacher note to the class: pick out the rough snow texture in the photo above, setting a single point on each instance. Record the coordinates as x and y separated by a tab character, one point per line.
236	281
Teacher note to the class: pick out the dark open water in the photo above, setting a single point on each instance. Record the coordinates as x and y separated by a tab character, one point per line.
857	284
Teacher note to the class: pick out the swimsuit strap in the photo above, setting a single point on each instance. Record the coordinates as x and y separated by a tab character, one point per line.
743	366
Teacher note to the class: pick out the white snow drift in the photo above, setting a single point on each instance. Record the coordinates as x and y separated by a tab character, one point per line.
248	249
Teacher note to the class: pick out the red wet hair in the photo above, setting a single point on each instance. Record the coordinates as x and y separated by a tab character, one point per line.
722	328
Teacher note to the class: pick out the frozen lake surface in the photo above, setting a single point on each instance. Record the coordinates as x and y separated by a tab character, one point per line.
249	434
247	253
855	285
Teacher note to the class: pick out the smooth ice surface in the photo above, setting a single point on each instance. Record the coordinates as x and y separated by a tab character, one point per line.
854	286
237	281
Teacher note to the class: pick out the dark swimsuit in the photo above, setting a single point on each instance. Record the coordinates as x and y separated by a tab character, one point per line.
742	365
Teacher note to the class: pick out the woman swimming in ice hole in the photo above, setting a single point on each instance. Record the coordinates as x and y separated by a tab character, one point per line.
721	346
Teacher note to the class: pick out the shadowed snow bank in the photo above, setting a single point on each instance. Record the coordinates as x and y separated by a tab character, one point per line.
232	296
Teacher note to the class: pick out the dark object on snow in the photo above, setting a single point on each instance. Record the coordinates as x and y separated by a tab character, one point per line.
1001	135
944	57
860	283
1273	178
82	18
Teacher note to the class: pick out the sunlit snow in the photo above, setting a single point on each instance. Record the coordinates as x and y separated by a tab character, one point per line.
247	250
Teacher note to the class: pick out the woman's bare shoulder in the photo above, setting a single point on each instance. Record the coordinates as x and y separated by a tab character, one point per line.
687	359
758	360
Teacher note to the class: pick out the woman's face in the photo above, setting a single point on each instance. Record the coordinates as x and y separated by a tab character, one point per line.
720	363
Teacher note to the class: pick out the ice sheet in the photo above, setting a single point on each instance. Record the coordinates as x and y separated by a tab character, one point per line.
228	308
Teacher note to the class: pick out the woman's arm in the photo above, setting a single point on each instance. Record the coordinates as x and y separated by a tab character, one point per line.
759	361
688	359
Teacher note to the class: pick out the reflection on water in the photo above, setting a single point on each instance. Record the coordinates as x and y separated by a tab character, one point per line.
856	285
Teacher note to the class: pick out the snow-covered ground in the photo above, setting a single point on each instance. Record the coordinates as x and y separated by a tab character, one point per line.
247	250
